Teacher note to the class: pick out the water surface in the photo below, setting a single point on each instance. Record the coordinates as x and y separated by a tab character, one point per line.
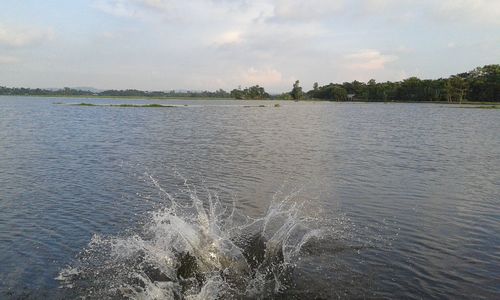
405	196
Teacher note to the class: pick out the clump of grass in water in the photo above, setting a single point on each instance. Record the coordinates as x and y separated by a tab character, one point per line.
248	106
154	105
489	107
142	105
483	107
85	104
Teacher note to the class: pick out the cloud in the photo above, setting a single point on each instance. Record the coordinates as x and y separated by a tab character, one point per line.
209	44
266	76
299	10
221	11
377	4
192	13
229	38
369	60
470	11
20	37
476	11
8	59
119	8
156	4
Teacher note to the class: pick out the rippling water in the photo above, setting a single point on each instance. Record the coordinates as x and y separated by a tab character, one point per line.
308	200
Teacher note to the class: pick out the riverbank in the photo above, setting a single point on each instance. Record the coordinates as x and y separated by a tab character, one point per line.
221	99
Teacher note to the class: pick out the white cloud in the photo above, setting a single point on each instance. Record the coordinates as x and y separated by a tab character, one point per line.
13	36
377	4
476	11
156	4
470	11
220	11
297	10
190	13
8	59
369	60
265	77
229	38
119	8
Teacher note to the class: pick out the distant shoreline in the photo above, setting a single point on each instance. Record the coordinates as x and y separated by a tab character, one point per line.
132	98
480	85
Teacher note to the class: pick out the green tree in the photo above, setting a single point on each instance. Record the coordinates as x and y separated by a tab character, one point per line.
338	93
237	94
296	92
484	83
411	89
253	92
455	88
372	90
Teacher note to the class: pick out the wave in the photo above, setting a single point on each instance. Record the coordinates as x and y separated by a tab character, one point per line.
198	247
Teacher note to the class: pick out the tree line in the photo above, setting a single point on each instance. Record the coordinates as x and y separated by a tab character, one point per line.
480	84
113	93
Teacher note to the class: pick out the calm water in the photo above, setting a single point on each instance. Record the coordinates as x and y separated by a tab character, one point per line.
380	200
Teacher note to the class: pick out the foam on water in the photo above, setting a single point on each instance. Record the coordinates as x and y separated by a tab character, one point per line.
195	247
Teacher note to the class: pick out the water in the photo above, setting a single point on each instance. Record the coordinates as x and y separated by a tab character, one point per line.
217	200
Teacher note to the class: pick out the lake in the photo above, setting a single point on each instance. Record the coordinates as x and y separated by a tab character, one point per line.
214	199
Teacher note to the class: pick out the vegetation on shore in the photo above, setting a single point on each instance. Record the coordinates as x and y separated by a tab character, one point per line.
254	93
479	85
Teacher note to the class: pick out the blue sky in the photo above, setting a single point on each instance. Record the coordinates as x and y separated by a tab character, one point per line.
211	44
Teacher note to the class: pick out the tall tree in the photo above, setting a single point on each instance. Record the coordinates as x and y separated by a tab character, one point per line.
456	88
296	92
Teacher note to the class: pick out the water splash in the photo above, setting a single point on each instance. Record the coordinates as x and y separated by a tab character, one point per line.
196	247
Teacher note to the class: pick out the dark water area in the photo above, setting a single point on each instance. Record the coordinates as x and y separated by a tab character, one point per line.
396	200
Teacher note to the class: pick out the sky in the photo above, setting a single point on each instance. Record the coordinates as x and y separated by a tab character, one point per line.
212	44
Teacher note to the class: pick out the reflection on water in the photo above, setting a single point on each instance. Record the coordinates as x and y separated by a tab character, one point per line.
405	196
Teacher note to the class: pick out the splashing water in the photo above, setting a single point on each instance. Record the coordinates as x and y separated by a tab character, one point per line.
195	247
